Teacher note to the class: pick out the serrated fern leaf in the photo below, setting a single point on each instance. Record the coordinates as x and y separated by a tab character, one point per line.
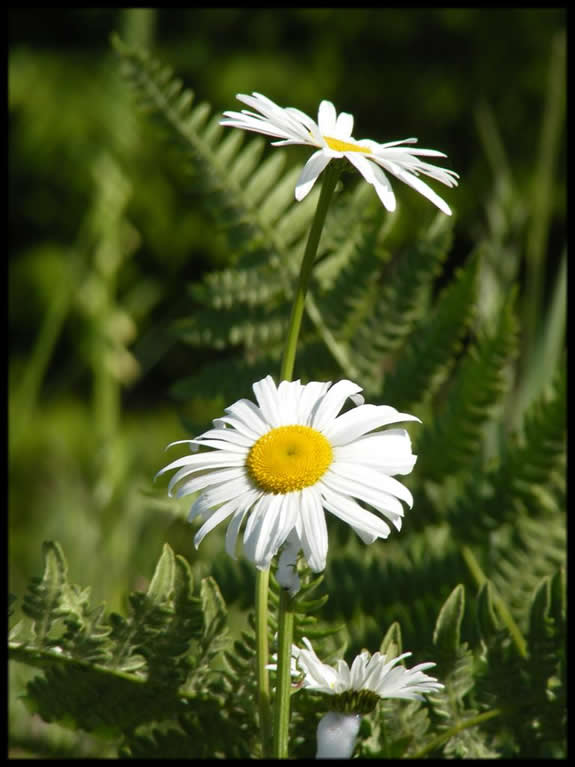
454	439
402	298
116	672
96	699
351	295
425	362
221	329
46	596
500	495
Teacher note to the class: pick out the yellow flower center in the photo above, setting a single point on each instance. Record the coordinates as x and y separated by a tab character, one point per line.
289	458
343	146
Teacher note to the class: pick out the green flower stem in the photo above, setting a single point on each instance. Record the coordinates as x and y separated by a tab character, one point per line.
262	654
330	177
441	739
286	616
282	702
499	604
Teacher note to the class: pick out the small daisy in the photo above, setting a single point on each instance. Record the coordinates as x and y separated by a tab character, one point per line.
355	691
371	677
279	464
332	138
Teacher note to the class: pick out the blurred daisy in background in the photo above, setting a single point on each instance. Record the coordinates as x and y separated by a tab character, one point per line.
331	137
280	464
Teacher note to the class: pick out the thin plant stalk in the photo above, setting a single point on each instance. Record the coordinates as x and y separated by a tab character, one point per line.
553	119
262	653
285	621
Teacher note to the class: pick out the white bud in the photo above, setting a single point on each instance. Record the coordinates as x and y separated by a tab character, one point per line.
286	573
336	734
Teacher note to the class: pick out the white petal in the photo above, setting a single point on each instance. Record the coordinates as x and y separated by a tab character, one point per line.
216	495
268	400
385	503
375	176
343	126
383	188
233	423
201	461
250	415
365	537
417	184
357	476
326	118
355	423
314	539
209	479
233	438
289	393
310	173
218	516
352	513
390	449
233	530
311	393
257	125
228	445
267	528
331	403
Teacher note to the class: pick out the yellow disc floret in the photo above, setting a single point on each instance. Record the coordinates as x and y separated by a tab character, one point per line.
289	458
343	146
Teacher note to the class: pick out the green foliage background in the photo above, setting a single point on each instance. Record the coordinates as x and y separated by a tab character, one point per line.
139	307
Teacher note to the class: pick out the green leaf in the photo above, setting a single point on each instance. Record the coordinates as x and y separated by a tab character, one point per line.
454	438
46	597
487	619
447	632
161	586
391	643
434	343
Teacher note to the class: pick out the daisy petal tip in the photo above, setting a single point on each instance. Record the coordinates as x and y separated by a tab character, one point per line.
300	193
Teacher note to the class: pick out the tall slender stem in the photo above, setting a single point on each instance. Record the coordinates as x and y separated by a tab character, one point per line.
331	174
286	616
282	702
262	654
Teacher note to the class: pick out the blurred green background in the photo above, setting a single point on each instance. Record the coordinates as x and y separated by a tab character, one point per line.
106	230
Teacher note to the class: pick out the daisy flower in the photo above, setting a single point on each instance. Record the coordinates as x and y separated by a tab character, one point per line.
332	139
279	464
356	691
371	677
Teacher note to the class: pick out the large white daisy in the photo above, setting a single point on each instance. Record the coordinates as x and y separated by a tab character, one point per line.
279	464
331	136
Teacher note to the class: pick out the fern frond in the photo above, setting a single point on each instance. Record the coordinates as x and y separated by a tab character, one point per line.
402	299
221	329
411	579
350	295
248	209
250	285
47	597
425	362
523	554
114	673
454	439
99	700
517	485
